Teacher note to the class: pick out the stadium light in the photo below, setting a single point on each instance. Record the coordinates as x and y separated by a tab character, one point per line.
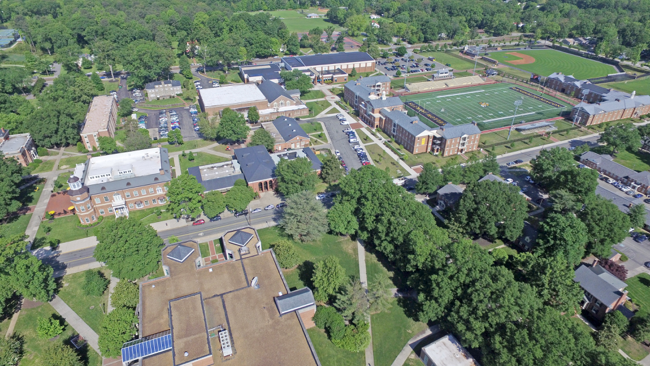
518	102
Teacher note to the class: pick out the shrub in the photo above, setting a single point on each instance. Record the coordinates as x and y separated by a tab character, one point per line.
125	295
42	151
286	254
173	239
95	283
47	229
324	316
81	148
355	338
48	327
37	161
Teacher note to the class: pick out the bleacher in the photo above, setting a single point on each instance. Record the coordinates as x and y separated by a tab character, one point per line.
442	84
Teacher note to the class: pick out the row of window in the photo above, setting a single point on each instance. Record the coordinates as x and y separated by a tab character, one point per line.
137	205
128	194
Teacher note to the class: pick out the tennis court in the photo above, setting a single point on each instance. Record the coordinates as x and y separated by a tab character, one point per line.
491	106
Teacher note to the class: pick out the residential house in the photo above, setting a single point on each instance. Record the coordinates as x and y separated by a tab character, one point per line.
528	237
20	147
163	89
113	185
101	119
257	73
603	291
446	351
236	312
449	195
287	134
270	99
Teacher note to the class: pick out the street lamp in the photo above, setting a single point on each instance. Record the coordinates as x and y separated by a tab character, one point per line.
478	51
517	104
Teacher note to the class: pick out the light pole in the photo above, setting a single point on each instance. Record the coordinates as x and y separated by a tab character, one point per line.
517	104
478	51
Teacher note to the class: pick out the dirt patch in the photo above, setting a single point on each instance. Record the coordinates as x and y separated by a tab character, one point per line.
525	59
356	126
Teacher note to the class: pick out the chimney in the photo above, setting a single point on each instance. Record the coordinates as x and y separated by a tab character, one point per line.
475	123
633	94
594	263
162	171
414	121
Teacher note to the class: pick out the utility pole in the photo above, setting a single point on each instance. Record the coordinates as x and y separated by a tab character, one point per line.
478	51
518	102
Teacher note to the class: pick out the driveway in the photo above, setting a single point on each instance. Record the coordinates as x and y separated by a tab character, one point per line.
638	253
339	140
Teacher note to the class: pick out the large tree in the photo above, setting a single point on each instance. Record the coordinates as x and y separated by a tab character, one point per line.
550	163
305	217
622	136
580	182
214	203
58	354
232	126
126	107
341	218
563	235
552	279
492	208
356	303
606	225
328	277
637	215
130	248
262	137
239	196
11	172
429	180
296	79
331	170
11	350
107	144
146	61
295	176
184	196
125	295
117	328
254	115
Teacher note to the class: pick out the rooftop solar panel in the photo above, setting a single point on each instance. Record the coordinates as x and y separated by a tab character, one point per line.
143	348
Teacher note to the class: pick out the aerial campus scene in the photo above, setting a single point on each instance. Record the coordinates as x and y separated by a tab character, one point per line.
324	183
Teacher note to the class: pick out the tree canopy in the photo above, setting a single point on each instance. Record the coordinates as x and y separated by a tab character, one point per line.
563	235
232	126
296	79
214	203
12	174
622	136
304	218
262	137
550	163
239	196
295	176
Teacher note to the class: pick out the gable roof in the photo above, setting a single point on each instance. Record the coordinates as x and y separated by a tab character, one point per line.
289	128
605	162
153	84
614	105
295	300
256	163
493	178
384	103
451	132
412	125
450	188
272	91
327	59
599	283
641	177
315	162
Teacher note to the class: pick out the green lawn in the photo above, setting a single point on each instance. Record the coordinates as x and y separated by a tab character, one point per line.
329	245
382	161
636	160
321	136
204	249
633	349
61	182
34	346
297	22
413	360
200	158
63	228
338	92
162	102
642	86
110	86
550	61
391	330
366	139
232	76
45	166
317	107
188	145
515	73
330	355
71	162
639	291
72	293
313	94
147	216
312	127
15	225
29	195
456	62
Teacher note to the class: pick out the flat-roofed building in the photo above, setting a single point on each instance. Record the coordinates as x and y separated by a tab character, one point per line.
163	89
446	351
270	99
257	73
20	147
346	61
235	312
113	185
287	134
100	121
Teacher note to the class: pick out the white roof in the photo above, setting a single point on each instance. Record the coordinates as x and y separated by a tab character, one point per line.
142	162
229	95
447	351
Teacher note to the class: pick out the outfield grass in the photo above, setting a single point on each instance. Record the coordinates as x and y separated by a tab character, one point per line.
639	291
329	354
312	127
33	345
297	22
313	94
382	161
72	293
317	107
456	62
636	160
200	158
641	86
329	245
15	225
550	61
462	106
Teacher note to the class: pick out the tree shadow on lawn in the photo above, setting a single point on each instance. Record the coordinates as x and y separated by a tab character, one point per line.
644	281
398	277
305	273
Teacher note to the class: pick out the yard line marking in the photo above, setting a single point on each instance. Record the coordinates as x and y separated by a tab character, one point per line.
453	95
496	119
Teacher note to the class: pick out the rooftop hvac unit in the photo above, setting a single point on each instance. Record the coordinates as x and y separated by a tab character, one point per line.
226	348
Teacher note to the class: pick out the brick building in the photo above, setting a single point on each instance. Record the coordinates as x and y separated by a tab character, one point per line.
458	139
603	292
605	164
369	97
113	185
270	99
582	89
329	62
100	121
592	114
163	89
287	134
20	147
257	73
410	132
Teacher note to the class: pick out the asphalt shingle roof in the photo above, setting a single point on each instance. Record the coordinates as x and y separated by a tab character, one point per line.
450	188
452	132
315	162
240	238
272	91
412	125
256	163
152	85
289	128
268	72
600	283
605	163
327	59
622	202
180	253
385	103
614	105
214	184
294	300
493	178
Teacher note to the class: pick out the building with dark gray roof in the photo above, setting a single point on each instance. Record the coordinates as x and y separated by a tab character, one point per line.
346	61
20	147
603	291
298	300
449	195
257	73
620	107
287	134
163	89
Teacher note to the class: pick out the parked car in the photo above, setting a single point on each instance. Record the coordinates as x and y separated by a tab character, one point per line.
640	238
638	195
280	205
353	140
269	207
198	222
509	180
256	210
338	153
216	218
519	161
647	200
241	213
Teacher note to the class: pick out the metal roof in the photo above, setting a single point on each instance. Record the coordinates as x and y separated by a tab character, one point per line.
295	300
145	347
289	128
327	59
600	283
240	238
180	253
267	72
256	163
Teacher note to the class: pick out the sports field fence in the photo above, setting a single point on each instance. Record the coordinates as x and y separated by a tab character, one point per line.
528	137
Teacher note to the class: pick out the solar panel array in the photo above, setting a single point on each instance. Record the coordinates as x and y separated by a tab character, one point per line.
147	348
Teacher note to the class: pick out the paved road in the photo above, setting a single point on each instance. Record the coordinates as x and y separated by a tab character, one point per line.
527	156
71	259
339	140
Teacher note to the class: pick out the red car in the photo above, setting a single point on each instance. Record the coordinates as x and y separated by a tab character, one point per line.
199	222
366	163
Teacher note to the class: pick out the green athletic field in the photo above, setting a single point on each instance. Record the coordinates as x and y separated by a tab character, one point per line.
461	106
641	86
550	61
297	22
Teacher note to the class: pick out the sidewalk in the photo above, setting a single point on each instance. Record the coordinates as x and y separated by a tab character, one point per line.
412	343
75	321
363	277
390	153
111	288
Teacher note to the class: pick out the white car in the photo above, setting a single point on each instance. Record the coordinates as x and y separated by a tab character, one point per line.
509	180
338	153
353	140
610	180
357	147
256	210
344	122
269	207
320	196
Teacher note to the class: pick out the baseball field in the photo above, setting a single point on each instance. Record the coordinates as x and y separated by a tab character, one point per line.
546	62
297	22
491	106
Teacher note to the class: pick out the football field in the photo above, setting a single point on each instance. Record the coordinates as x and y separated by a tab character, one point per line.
491	106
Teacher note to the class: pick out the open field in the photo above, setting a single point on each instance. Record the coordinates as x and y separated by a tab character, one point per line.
491	106
297	22
63	228
641	86
636	160
329	354
89	308
456	62
547	62
639	291
315	108
200	158
15	225
313	94
382	161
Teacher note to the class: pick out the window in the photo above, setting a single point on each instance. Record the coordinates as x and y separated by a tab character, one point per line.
135	193
88	206
138	205
146	202
97	200
105	198
161	201
131	205
101	212
159	190
165	188
154	201
127	194
110	210
143	191
82	209
87	221
93	217
150	190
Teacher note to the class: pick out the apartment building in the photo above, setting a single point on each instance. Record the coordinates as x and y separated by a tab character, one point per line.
591	114
270	99
100	121
163	89
113	185
369	97
582	89
20	147
287	134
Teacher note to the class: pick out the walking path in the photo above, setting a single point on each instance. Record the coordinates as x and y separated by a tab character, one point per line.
111	288
412	343
390	152
12	324
370	357
75	321
177	165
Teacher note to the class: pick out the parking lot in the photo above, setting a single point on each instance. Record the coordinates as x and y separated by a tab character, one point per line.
339	140
184	118
383	66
